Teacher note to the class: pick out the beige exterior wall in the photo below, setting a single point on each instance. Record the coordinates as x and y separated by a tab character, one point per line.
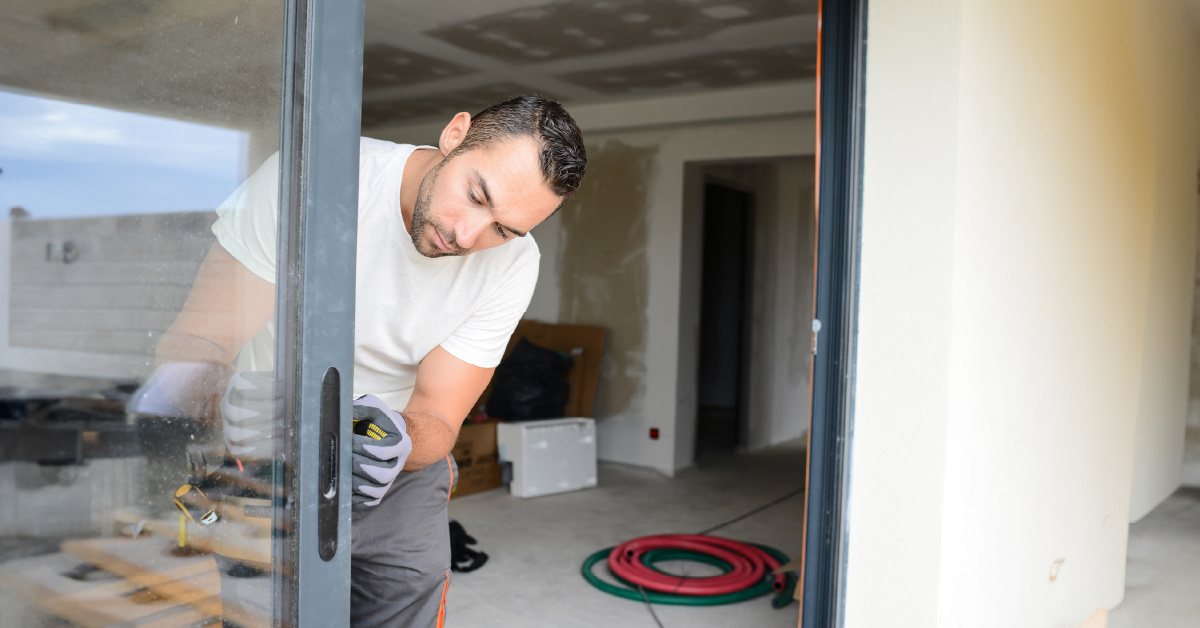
100	314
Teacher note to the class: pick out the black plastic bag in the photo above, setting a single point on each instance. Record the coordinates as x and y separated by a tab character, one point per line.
531	383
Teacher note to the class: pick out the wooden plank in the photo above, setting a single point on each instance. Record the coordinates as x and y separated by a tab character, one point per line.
42	581
246	542
150	564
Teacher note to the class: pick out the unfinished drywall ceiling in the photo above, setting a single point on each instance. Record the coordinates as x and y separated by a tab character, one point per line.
604	267
712	71
578	51
423	60
442	105
206	62
576	28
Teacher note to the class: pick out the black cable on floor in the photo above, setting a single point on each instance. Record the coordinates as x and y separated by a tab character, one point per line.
649	607
753	512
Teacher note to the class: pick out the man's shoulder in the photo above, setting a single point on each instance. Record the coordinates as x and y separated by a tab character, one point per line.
512	261
371	147
517	252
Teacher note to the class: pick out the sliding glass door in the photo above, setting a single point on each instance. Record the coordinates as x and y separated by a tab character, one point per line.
171	387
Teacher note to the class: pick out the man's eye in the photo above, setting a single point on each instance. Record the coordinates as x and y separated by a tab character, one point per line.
502	232
471	194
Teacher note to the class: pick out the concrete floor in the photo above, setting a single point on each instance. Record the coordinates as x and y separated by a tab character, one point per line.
1162	579
536	546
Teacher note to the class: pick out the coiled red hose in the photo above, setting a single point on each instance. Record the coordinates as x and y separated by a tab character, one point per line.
750	564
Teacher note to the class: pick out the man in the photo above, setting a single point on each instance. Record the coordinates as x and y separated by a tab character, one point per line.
445	271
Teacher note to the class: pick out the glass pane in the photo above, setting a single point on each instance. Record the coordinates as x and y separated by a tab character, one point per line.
132	339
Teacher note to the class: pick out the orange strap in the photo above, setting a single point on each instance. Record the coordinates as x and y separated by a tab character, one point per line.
446	584
442	610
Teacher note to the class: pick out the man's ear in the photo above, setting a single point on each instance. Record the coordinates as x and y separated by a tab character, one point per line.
454	132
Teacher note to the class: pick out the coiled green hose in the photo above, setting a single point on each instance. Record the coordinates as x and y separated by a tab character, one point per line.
630	592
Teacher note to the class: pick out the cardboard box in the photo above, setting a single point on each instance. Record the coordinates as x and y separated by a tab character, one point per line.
477	457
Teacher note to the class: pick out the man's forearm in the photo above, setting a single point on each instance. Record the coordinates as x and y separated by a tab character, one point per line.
192	371
431	438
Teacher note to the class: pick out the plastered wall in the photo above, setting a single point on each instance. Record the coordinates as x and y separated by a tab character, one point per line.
639	188
604	279
1027	250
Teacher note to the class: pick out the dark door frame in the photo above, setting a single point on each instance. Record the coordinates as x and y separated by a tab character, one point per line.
318	227
841	56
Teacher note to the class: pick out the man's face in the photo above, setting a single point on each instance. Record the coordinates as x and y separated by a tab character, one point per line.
481	199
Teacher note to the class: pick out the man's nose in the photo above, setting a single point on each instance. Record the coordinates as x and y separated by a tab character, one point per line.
470	228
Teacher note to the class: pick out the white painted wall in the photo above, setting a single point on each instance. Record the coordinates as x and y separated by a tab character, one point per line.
785	254
1022	282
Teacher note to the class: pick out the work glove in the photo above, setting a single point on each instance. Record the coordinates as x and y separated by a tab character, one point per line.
177	390
248	415
380	448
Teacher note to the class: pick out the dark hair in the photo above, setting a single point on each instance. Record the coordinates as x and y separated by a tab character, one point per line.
563	158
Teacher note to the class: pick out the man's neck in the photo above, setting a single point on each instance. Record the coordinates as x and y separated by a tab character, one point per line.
419	163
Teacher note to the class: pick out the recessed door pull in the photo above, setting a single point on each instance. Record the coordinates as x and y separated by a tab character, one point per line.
328	461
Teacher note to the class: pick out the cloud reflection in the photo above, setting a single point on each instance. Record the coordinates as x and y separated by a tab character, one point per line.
62	159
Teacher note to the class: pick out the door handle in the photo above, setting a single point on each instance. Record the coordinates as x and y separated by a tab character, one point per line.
327	501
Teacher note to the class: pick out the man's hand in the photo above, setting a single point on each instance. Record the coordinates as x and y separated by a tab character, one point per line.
248	412
380	448
180	390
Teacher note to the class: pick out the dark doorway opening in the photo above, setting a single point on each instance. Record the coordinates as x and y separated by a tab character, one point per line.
724	320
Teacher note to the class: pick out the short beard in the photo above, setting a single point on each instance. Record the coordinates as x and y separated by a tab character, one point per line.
421	218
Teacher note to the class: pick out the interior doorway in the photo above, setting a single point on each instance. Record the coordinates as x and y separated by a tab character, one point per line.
747	305
724	317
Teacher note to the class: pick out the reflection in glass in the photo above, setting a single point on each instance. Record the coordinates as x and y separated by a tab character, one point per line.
124	127
64	160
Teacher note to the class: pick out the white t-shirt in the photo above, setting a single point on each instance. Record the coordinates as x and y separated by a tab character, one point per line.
406	304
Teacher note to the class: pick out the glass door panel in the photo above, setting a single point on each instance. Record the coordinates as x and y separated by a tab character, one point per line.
135	314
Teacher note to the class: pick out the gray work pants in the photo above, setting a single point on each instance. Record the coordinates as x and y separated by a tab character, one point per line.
399	559
400	553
